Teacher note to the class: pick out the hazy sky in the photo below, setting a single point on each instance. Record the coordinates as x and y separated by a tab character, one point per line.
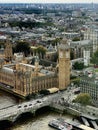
48	1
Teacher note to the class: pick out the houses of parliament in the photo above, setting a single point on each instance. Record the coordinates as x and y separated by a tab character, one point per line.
23	79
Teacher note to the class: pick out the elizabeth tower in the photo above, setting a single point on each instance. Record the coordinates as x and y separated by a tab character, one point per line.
64	64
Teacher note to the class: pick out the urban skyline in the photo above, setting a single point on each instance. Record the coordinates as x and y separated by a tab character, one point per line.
50	1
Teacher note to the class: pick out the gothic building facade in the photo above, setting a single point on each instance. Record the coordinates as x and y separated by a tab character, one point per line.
64	65
24	79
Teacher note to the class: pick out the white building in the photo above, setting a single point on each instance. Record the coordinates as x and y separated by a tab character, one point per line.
92	34
18	56
86	56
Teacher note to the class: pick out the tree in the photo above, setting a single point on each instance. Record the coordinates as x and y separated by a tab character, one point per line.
1	44
45	92
84	99
57	40
78	66
94	58
28	97
76	39
55	57
71	55
29	24
40	50
22	46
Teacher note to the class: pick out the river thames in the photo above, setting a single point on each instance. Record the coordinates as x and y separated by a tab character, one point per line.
28	122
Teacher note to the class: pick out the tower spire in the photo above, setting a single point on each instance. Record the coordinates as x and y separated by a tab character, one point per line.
8	50
64	64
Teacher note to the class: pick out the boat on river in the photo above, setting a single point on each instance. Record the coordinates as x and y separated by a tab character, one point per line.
60	124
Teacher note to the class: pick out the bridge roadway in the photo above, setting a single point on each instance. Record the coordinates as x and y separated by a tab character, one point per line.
11	113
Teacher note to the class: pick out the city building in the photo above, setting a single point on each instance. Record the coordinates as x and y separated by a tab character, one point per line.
92	34
88	85
64	65
24	79
78	48
8	51
86	56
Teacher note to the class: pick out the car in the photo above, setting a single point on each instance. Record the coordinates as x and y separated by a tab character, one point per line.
38	101
8	86
19	106
25	105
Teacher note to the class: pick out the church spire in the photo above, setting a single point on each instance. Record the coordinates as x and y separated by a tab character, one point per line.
8	50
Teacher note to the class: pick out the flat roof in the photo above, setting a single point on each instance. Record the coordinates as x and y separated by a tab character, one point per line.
79	125
28	65
8	70
52	90
84	127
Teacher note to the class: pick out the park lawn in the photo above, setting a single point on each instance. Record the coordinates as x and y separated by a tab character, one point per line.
96	70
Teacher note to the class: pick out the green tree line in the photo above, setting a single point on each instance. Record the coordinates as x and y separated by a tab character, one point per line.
29	24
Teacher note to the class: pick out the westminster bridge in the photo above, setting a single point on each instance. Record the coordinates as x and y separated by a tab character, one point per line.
11	113
59	101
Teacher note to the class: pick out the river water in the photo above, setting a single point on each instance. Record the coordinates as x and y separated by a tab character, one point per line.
28	122
39	123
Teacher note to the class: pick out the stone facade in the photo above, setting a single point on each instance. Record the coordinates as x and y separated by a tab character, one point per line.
24	79
8	51
64	65
92	34
87	85
7	76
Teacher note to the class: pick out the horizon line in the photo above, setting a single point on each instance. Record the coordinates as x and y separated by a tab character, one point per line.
49	3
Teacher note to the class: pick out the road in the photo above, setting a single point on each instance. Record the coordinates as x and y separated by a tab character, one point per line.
23	107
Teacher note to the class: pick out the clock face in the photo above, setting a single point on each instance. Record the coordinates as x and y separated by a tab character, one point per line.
61	54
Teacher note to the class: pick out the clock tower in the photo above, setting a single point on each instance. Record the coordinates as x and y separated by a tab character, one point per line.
8	50
64	64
